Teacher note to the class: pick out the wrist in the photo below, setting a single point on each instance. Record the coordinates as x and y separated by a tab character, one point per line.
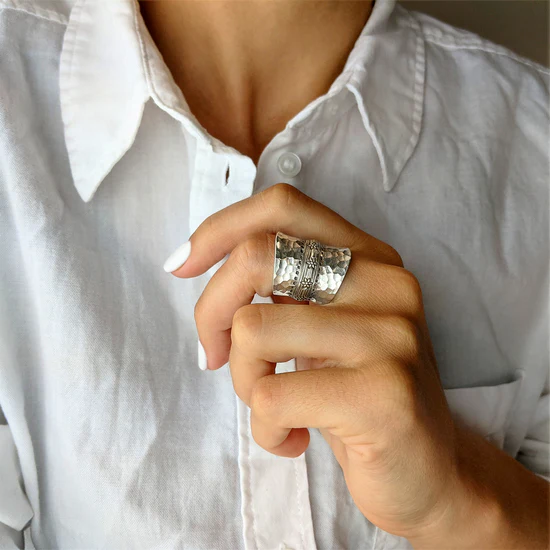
473	517
466	514
491	502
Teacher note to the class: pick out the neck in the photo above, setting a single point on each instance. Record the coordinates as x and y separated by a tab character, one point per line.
247	67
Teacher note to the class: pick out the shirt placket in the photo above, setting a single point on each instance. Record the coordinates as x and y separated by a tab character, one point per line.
275	506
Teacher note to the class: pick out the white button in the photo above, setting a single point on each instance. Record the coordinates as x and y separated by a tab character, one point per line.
333	109
289	164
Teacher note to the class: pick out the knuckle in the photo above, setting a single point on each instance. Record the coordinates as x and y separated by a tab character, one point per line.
395	257
281	196
264	396
250	253
402	385
389	255
246	327
411	291
405	336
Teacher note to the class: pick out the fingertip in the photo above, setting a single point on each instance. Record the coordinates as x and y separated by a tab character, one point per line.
178	258
202	361
295	444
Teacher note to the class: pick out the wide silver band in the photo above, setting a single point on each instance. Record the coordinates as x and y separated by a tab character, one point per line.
305	269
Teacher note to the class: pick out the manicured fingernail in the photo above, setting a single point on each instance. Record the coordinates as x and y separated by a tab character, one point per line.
178	257
203	365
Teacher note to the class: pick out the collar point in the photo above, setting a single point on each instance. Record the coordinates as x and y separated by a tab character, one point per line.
390	177
86	189
393	171
388	184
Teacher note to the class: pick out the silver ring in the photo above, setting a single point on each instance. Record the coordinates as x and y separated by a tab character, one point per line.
305	269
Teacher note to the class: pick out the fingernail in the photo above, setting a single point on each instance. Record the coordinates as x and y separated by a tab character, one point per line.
178	257
203	364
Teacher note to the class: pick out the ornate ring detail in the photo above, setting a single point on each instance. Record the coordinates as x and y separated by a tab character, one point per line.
307	270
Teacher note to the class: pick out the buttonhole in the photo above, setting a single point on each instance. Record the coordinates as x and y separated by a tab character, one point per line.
227	175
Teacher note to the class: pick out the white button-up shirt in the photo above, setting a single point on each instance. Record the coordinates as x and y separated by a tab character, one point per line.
431	139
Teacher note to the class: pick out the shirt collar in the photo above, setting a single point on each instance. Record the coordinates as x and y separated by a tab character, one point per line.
110	67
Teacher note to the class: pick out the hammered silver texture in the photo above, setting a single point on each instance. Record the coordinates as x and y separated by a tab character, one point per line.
298	260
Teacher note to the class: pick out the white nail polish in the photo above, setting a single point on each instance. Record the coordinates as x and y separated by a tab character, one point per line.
202	357
178	257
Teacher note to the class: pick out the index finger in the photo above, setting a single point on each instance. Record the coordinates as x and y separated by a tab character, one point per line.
281	207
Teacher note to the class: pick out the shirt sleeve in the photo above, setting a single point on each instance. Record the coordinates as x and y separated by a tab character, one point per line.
15	509
534	452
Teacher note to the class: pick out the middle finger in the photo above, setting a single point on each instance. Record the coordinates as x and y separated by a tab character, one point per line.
249	270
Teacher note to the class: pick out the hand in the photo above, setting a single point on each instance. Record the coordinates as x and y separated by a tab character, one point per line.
367	375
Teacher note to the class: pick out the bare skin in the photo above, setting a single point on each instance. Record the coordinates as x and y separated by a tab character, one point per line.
247	67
